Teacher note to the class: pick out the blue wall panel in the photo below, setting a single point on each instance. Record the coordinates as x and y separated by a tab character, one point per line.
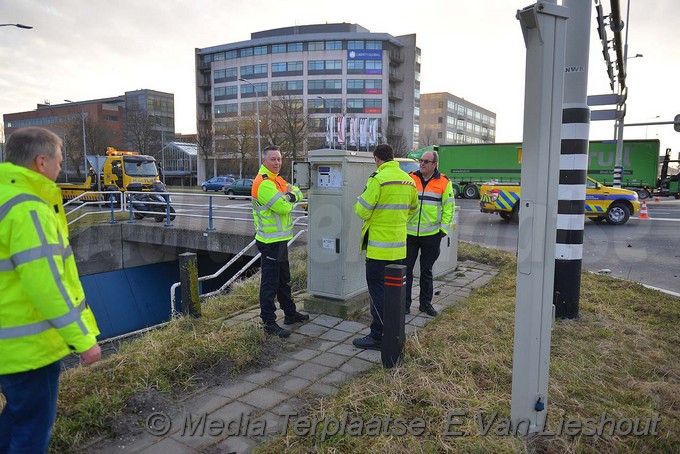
131	299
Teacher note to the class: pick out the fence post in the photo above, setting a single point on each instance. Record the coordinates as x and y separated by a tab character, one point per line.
188	274
394	307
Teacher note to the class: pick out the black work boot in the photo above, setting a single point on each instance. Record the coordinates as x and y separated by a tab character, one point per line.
274	329
367	342
295	318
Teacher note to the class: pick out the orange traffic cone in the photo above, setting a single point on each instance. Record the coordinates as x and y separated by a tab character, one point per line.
643	211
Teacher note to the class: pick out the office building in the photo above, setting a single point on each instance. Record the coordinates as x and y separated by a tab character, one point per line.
448	119
139	120
356	88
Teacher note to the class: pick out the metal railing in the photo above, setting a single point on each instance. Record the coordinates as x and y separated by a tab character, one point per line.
168	210
211	207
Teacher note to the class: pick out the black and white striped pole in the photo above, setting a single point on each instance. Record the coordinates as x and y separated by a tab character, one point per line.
573	162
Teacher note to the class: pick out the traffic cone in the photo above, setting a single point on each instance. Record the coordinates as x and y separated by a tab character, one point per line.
657	199
643	211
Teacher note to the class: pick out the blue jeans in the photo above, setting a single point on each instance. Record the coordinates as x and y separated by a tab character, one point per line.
375	279
27	419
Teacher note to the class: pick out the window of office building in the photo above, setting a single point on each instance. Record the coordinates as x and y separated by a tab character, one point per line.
225	110
478	116
374	45
440	120
315	45
330	86
294	47
373	66
230	55
440	104
439	135
367	86
291	68
218	56
290	87
247	52
372	105
449	135
355	44
248	90
253	71
450	105
450	121
316	67
460	110
333	45
278	48
260	50
229	92
225	75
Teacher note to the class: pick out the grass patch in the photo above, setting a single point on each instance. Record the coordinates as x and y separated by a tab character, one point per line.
170	360
619	358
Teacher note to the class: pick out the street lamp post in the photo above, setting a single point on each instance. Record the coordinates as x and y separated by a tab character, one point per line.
27	27
330	125
257	113
82	119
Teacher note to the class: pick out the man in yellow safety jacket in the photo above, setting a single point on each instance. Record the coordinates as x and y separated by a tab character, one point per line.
385	205
431	222
273	201
43	313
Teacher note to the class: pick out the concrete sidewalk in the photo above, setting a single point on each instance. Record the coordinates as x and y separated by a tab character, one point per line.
236	415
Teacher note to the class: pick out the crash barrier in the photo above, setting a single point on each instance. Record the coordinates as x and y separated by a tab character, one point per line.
394	308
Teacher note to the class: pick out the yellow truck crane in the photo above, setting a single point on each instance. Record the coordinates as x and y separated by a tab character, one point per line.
120	171
603	203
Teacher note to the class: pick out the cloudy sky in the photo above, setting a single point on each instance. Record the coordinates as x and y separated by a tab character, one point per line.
82	50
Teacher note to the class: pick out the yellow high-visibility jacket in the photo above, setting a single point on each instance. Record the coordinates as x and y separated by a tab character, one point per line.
271	209
385	205
436	205
43	313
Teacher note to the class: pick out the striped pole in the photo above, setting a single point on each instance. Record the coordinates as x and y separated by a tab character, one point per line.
394	307
573	162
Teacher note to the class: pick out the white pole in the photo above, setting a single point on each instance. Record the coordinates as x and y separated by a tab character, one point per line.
544	29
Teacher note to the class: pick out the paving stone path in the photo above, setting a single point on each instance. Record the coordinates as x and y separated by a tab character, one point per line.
238	414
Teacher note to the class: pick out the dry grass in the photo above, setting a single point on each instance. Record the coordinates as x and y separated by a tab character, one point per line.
620	357
170	360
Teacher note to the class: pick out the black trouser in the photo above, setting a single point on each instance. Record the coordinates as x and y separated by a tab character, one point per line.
275	282
375	278
429	247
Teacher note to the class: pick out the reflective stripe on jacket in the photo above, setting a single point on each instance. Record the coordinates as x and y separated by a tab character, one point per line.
271	209
385	205
43	313
436	205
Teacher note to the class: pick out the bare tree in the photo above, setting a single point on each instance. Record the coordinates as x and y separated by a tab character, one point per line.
287	124
97	139
140	132
204	140
427	138
239	142
399	145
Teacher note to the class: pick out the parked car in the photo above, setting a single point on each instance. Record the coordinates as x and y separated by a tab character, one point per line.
239	187
216	184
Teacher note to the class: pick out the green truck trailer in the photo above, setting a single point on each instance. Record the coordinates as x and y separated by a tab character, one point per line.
471	165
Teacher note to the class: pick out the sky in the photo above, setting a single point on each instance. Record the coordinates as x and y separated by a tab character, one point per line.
81	50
